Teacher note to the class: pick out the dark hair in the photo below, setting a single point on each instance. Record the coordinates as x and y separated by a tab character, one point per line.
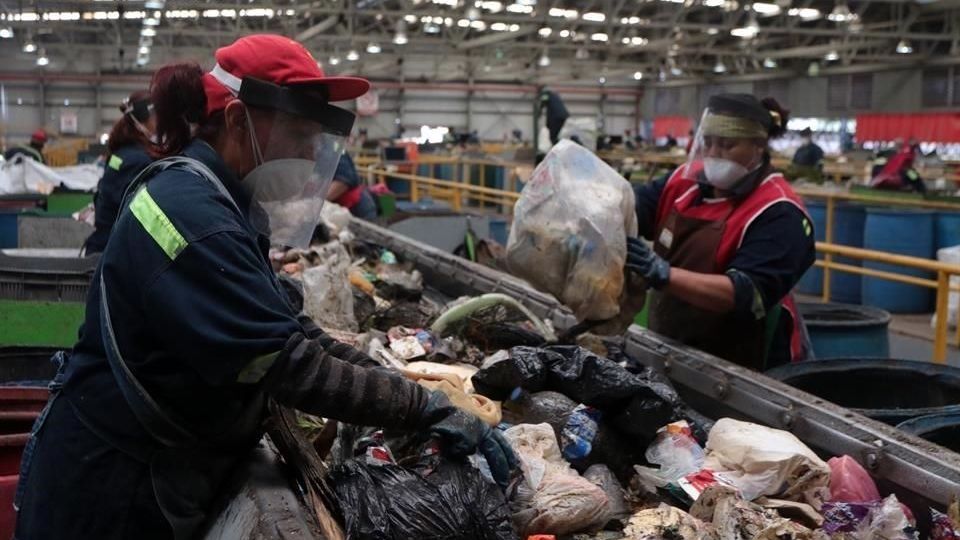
780	115
179	101
124	131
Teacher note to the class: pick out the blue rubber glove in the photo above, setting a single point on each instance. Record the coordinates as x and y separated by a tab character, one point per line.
462	433
642	261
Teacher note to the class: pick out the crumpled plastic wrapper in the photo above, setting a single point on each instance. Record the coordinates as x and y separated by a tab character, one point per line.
327	296
736	519
552	498
764	461
569	232
667	522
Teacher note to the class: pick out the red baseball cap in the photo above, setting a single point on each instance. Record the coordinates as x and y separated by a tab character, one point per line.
39	136
275	59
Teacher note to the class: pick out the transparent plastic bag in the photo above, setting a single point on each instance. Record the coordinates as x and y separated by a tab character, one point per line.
569	231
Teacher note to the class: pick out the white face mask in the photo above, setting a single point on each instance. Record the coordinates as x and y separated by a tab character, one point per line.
723	173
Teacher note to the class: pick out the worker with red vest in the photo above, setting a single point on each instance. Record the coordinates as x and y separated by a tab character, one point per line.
349	191
898	172
730	240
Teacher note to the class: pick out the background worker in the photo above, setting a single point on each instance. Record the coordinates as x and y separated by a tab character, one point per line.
187	330
350	192
731	239
807	162
129	145
32	150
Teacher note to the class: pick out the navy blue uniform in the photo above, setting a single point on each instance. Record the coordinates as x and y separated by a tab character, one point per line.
808	155
201	322
187	326
122	167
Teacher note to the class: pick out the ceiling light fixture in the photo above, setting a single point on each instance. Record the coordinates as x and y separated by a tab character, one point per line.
42	59
154	4
594	16
334	60
29	46
582	54
765	9
769	63
6	32
841	13
373	48
545	32
602	80
904	47
600	36
831	56
148	32
749	31
712	31
719	67
806	14
637	75
143	50
544	60
352	55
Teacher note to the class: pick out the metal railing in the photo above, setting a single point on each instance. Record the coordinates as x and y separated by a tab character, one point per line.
941	284
457	194
460	194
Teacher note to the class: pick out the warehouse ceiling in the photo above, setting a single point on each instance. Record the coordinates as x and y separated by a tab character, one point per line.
615	42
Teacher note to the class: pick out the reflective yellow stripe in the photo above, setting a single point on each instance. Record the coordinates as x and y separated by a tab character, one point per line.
115	162
157	224
257	368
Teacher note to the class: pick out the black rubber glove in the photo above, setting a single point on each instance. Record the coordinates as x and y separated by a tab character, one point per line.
462	433
647	264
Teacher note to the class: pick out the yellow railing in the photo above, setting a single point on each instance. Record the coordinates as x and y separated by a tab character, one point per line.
941	284
514	172
457	194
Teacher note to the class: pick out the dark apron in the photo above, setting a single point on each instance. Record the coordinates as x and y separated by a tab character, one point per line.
693	246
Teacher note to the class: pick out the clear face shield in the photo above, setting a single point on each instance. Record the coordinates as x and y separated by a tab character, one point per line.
296	158
726	148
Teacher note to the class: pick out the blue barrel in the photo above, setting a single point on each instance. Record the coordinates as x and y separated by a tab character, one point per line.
812	280
942	429
947	232
906	232
848	221
499	230
845	330
885	389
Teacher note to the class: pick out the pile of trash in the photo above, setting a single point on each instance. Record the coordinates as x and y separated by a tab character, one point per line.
607	449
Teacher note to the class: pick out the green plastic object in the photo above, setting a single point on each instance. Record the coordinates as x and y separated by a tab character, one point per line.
388	205
67	203
641	319
33	323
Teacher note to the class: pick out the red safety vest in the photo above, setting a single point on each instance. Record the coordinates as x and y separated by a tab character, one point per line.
681	193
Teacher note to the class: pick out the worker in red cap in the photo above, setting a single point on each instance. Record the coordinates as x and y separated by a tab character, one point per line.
188	331
32	150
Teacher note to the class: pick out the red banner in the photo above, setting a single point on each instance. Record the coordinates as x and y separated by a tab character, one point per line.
925	127
678	126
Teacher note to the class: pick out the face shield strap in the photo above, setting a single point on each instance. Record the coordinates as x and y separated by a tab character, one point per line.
310	103
139	110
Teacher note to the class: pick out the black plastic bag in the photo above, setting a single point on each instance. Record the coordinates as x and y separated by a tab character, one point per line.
437	500
636	404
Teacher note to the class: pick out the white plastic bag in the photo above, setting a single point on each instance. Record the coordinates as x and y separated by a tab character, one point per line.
569	231
327	296
553	498
950	255
763	461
